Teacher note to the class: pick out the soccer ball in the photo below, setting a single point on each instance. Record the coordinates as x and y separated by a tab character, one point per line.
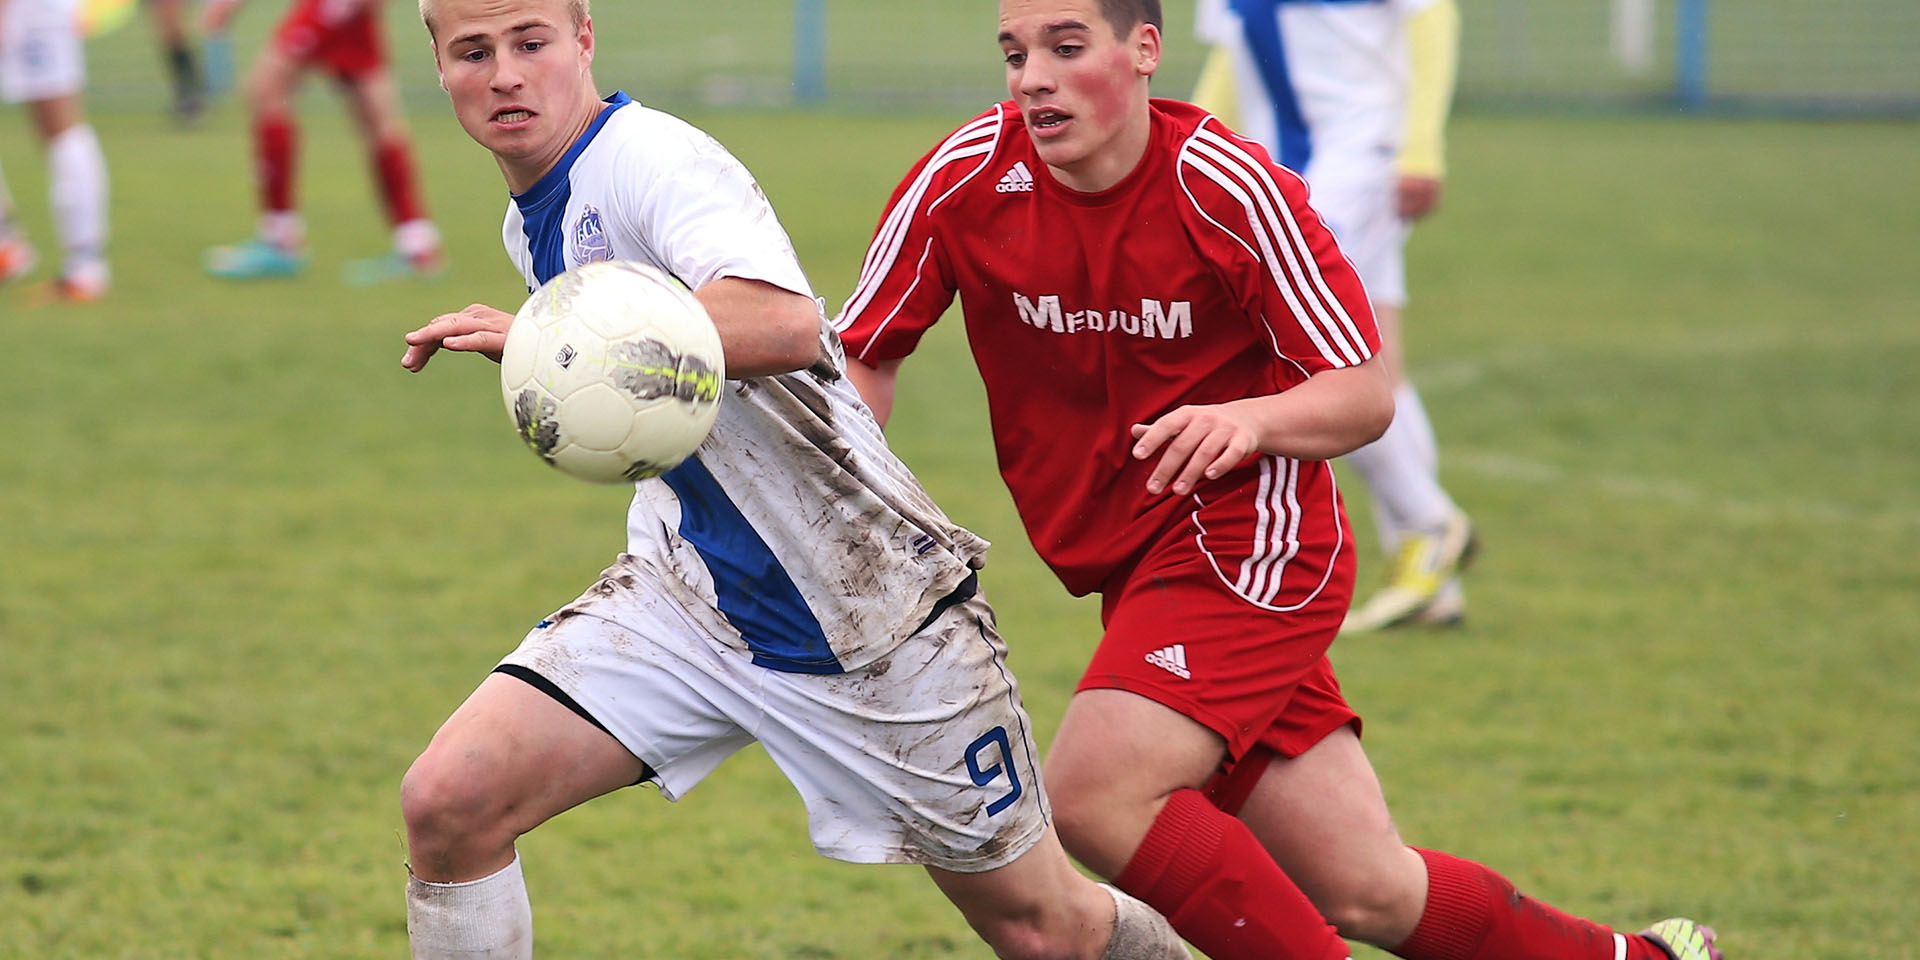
612	372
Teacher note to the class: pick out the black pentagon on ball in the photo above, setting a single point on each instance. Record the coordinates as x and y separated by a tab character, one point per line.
533	415
649	370
644	470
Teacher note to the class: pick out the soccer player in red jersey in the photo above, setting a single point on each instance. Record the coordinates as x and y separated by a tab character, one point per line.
1173	346
343	38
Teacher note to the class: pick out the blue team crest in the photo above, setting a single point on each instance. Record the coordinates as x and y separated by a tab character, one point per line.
590	243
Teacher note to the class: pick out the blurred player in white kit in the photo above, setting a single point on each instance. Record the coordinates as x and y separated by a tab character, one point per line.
1353	94
43	66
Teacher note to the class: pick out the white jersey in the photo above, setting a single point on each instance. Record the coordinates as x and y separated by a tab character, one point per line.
793	532
1334	72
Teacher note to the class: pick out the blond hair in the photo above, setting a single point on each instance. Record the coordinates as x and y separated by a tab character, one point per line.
577	11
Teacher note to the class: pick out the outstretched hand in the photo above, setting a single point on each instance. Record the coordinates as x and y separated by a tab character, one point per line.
1199	441
477	329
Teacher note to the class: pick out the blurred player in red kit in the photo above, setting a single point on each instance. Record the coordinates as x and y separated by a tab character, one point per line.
343	38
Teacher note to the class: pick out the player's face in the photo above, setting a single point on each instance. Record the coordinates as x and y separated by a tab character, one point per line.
520	76
1082	90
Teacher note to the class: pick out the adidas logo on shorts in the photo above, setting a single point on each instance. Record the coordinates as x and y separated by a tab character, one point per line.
1172	659
1017	180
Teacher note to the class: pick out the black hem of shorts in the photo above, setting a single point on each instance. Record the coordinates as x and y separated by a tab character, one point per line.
560	696
960	594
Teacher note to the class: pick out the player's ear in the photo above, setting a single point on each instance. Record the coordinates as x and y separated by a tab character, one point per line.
1146	49
586	37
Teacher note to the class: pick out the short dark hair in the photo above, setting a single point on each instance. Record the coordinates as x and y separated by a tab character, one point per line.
1124	15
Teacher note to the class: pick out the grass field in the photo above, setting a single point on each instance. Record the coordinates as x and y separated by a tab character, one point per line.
247	564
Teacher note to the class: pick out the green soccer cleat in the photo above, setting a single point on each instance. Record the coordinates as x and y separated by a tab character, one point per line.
254	259
1423	584
1684	939
394	265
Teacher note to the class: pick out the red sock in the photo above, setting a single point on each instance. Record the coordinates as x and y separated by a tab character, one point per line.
1473	913
273	149
1216	885
393	167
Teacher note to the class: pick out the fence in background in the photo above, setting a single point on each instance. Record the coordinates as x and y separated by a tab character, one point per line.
1839	57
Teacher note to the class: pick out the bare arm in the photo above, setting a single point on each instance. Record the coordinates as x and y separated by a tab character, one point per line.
1333	413
876	386
764	329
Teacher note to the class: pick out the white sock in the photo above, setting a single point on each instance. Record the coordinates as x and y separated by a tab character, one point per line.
1139	933
283	229
1399	472
416	238
78	188
1405	397
485	919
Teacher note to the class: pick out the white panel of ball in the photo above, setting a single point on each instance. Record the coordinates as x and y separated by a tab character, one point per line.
612	372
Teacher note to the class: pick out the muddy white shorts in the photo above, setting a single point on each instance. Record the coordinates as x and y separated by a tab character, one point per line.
923	756
40	52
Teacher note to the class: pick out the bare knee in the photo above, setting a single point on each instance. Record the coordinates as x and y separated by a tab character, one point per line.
451	815
1378	903
1099	826
1032	936
1077	813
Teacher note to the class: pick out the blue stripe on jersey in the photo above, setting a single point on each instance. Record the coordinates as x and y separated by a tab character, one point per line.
755	593
1260	20
544	205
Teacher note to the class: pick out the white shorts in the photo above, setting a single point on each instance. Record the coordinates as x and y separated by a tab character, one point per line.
1356	192
40	53
923	756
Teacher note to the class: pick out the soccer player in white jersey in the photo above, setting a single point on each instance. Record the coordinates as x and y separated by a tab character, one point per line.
42	66
1353	94
791	583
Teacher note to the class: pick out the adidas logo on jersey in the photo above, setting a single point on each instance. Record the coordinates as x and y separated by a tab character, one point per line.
1017	180
1172	659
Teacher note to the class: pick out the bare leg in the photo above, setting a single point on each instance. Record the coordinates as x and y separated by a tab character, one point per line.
1039	906
508	759
1123	773
1325	819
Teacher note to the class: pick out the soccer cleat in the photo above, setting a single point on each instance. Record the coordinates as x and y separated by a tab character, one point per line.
1421	586
17	259
394	265
1684	939
62	290
254	259
77	289
1448	609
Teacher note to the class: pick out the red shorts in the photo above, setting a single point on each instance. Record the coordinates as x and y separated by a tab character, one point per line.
1179	634
323	33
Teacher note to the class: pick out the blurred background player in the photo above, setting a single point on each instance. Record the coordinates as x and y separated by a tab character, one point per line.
42	65
1354	96
342	37
183	68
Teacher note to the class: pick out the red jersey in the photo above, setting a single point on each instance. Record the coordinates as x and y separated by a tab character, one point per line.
1202	277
